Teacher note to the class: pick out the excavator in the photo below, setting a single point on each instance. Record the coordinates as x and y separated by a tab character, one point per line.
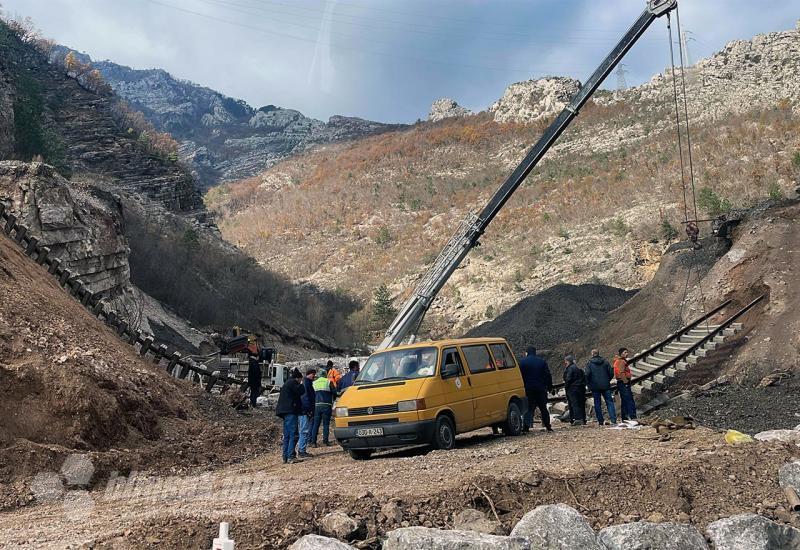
404	327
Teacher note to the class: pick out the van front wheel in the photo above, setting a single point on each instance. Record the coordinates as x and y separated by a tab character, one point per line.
444	437
513	424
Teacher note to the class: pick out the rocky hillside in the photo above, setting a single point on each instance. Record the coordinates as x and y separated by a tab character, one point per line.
603	206
223	138
128	219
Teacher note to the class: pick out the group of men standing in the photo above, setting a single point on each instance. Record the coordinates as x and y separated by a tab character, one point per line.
305	405
597	375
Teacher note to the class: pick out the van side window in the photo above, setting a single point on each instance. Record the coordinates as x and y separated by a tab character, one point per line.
478	358
502	356
451	357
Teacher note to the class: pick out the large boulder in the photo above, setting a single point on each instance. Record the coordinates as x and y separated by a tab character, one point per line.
470	519
644	535
789	475
752	532
339	524
446	108
556	527
414	538
532	100
788	436
317	542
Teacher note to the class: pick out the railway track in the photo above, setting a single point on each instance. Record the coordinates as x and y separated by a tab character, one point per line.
655	368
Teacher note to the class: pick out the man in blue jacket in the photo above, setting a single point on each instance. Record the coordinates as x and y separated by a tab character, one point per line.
599	375
538	381
307	416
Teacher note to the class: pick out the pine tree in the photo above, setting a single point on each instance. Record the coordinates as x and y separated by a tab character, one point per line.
383	310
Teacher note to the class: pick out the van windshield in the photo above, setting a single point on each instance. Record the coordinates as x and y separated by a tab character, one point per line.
404	364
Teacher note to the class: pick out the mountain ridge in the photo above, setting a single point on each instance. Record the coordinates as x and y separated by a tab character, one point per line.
222	138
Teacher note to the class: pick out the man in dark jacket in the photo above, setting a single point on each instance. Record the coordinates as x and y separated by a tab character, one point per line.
575	388
289	408
599	375
538	381
306	419
350	377
253	376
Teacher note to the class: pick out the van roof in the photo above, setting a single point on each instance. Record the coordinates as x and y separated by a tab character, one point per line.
451	342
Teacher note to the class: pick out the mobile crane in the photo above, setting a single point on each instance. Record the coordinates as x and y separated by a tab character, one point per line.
473	226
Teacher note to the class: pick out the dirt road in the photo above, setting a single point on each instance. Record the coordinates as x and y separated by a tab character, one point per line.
612	476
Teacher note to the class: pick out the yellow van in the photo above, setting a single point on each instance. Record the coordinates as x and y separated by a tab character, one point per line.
426	393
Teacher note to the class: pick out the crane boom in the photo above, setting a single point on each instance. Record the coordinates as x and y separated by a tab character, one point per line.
472	227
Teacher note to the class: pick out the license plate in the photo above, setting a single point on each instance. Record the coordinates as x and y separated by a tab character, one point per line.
369	432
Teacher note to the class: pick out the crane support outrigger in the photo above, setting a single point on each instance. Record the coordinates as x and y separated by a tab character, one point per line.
472	227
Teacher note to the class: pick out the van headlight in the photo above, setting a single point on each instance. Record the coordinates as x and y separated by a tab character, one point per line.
340	411
410	405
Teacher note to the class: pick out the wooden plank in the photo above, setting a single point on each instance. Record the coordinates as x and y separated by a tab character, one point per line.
55	266
98	307
87	296
173	360
146	343
21	232
2	210
11	223
210	383
122	327
42	253
184	372
66	274
33	242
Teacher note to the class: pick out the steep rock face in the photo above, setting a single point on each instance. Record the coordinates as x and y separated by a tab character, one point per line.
446	108
532	100
83	229
223	138
84	131
6	117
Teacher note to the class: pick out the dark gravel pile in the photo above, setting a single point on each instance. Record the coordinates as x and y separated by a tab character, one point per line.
554	317
746	409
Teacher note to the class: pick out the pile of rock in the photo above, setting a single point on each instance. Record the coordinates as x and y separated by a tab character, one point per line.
560	527
532	100
446	108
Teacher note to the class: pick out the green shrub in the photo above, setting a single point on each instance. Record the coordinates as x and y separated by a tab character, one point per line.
489	312
563	233
711	202
384	237
617	227
668	230
796	159
774	191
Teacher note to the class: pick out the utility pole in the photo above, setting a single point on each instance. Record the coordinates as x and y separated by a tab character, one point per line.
622	84
685	39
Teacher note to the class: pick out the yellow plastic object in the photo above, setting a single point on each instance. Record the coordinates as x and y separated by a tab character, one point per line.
732	437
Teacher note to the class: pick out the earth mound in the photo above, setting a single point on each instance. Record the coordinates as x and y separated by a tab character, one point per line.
560	314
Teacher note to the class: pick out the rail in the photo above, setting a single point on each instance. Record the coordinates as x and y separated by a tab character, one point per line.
710	335
160	353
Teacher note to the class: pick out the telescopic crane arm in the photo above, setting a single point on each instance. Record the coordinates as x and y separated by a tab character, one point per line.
472	227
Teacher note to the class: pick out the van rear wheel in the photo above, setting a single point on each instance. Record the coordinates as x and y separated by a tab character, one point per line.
513	424
444	436
360	454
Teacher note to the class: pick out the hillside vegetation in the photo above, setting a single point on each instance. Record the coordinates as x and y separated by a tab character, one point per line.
601	207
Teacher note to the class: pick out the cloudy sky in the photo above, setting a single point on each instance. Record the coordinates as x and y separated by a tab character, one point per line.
384	59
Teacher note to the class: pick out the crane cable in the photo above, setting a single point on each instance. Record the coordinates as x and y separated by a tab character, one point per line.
693	222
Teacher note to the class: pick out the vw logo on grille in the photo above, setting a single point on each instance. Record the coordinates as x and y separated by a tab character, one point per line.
369	410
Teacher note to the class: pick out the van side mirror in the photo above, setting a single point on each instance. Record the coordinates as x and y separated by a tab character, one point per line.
449	370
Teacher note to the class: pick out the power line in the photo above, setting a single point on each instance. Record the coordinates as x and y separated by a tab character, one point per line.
622	84
528	38
262	30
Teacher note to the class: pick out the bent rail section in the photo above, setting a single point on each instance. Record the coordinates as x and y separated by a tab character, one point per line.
145	344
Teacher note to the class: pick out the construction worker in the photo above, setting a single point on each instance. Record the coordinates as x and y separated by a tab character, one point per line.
575	388
622	372
253	374
289	408
347	380
306	420
324	391
538	381
598	377
333	375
